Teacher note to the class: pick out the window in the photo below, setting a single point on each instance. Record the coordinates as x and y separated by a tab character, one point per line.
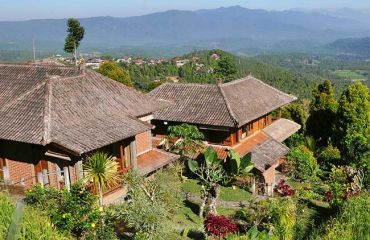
244	131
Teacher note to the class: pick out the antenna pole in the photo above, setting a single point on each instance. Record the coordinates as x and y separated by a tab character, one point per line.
34	50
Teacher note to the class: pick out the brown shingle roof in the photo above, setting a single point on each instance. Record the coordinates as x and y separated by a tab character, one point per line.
231	104
80	111
268	153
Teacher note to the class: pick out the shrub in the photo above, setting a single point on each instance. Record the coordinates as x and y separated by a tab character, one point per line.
283	188
329	156
352	221
304	164
153	202
75	211
219	226
283	217
7	208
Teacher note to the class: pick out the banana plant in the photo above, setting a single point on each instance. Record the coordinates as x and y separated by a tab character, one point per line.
237	166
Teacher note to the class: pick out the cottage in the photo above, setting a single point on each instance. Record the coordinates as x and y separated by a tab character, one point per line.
52	117
235	115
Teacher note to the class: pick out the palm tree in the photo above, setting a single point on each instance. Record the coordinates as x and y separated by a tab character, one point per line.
102	170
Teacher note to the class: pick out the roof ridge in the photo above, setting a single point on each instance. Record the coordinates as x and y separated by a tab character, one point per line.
267	85
47	110
232	114
34	65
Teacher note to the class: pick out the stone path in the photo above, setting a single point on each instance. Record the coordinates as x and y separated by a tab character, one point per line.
225	204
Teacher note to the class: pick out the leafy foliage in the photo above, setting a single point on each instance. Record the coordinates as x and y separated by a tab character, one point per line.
226	68
323	109
101	169
352	221
283	188
112	70
237	166
152	204
283	216
296	112
219	226
352	126
304	164
75	34
75	211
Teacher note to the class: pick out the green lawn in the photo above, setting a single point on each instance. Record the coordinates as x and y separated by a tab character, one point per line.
227	193
354	75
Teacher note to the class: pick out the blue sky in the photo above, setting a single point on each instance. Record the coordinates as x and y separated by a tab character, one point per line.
31	9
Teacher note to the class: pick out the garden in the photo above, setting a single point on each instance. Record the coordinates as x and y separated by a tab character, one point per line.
323	193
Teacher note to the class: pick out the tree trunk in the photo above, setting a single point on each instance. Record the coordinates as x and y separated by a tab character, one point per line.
100	194
203	204
75	52
213	196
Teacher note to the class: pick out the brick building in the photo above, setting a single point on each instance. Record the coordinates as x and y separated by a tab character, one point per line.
52	117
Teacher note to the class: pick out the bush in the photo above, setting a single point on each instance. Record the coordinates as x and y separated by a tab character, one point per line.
75	211
352	221
329	156
283	188
35	225
304	164
283	217
219	226
153	202
7	208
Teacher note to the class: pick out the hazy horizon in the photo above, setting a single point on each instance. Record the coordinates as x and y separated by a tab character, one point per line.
18	10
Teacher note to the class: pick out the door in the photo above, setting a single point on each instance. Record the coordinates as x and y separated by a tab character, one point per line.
42	167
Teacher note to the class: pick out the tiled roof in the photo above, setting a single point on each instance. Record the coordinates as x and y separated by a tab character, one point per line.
231	104
80	111
268	153
281	129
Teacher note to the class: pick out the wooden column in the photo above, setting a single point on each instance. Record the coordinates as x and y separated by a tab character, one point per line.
133	154
66	178
122	156
79	170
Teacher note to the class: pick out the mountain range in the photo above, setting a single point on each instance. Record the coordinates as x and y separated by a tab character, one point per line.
236	29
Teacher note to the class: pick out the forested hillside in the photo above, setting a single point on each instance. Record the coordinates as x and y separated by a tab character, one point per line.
202	68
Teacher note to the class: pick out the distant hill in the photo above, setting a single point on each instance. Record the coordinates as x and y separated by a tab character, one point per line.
350	46
234	29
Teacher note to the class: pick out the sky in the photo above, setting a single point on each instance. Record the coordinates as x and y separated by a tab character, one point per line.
41	9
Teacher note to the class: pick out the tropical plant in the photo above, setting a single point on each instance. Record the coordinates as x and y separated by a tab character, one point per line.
219	226
283	217
296	112
113	71
304	164
351	222
210	173
283	188
328	157
152	203
184	139
102	170
75	35
236	166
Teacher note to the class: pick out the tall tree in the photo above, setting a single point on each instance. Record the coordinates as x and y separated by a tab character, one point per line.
353	124
75	35
115	72
323	110
226	68
102	170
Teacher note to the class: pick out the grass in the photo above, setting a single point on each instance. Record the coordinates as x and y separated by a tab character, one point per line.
354	75
227	193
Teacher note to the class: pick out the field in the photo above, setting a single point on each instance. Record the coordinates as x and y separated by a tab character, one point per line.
354	75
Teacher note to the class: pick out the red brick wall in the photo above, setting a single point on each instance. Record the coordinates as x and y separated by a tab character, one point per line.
17	170
142	142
